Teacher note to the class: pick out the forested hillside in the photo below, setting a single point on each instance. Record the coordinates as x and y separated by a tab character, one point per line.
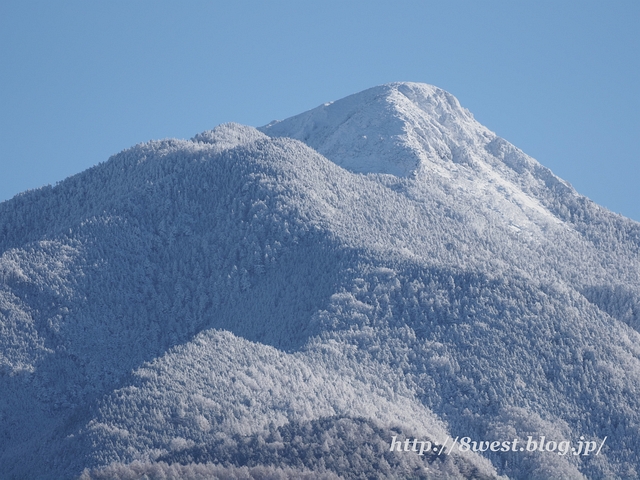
283	302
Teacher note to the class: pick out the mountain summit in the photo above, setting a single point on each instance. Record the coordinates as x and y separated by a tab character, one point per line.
288	301
420	131
398	128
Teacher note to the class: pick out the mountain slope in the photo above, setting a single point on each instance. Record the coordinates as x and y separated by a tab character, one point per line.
211	301
454	158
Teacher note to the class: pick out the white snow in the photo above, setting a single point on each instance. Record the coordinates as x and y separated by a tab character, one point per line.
418	131
393	264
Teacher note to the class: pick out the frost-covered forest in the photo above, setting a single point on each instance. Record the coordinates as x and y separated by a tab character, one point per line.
278	302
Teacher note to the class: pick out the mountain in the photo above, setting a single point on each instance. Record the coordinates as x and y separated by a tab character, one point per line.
288	301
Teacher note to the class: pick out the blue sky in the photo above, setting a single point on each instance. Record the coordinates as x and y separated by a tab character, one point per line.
82	80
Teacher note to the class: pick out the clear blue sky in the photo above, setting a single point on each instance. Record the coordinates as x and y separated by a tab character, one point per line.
81	80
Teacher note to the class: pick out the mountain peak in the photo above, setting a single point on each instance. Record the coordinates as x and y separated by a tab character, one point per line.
394	128
228	135
421	131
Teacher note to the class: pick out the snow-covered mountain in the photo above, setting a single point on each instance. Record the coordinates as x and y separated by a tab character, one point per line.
282	302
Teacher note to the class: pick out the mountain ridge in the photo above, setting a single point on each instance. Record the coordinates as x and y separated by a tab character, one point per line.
187	296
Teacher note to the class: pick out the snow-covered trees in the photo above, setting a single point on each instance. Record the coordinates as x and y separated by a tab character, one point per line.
237	299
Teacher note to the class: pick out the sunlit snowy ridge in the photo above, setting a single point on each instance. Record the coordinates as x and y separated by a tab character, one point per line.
286	299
